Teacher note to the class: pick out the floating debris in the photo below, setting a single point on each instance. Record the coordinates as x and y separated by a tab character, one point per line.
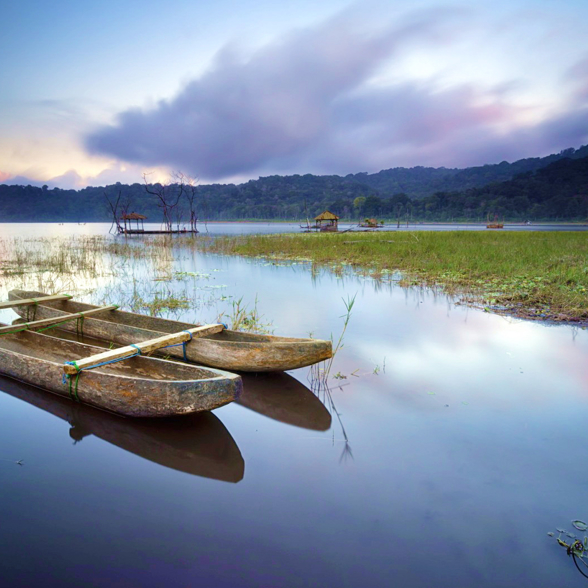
17	462
576	549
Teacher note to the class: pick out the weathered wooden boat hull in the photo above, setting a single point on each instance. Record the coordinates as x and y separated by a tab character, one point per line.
228	350
137	387
197	444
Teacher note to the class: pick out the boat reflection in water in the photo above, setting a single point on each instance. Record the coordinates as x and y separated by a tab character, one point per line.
197	444
283	398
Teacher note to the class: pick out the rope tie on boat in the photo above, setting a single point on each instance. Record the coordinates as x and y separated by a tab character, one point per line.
34	305
68	378
183	344
80	325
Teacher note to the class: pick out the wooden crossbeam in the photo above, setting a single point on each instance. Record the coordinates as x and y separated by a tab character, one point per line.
55	319
29	301
143	347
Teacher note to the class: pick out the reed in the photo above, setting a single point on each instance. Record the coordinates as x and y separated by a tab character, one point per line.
242	318
138	275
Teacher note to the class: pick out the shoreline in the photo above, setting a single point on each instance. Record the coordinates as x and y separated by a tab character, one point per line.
531	275
392	225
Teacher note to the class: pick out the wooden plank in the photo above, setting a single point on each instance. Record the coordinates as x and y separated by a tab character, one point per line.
29	301
144	347
55	319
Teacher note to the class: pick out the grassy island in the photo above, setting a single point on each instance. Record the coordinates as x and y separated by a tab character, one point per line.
539	275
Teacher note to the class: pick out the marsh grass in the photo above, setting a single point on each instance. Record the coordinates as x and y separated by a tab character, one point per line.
138	276
243	318
530	274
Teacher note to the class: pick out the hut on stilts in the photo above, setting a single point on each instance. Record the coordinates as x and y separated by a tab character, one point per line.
129	218
327	221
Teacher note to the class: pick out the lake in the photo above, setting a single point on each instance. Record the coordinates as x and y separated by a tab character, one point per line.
446	448
236	228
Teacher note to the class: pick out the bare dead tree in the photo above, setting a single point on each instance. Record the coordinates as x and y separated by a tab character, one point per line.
168	195
114	211
118	209
179	216
191	198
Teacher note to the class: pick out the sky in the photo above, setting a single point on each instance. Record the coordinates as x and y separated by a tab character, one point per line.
95	93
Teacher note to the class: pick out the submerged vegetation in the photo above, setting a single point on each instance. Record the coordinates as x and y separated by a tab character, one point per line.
144	276
529	274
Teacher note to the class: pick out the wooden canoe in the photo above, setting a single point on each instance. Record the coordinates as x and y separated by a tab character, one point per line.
228	350
136	387
197	444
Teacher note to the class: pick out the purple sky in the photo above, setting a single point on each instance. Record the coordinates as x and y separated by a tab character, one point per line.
352	87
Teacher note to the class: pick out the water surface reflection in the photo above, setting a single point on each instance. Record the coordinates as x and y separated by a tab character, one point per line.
283	398
467	431
197	444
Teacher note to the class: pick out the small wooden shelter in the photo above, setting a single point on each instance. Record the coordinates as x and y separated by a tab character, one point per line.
327	221
133	216
371	223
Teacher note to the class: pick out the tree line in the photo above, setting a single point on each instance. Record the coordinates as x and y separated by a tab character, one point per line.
551	188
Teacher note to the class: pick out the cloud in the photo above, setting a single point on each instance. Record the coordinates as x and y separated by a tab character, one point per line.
309	103
578	75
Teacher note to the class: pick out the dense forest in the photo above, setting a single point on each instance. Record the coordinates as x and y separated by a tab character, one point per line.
549	188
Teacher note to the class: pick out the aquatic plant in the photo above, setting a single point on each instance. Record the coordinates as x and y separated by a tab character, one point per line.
319	372
242	318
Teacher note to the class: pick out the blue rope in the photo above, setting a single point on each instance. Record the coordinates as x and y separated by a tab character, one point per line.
91	367
67	377
183	344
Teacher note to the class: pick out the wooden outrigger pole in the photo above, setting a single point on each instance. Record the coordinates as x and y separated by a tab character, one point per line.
31	301
54	320
74	367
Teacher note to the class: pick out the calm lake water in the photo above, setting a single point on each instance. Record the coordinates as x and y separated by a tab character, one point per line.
449	447
236	228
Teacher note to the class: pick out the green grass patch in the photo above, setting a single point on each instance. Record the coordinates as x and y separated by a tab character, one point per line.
530	274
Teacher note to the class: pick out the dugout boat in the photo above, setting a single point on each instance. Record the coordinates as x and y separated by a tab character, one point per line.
119	380
227	349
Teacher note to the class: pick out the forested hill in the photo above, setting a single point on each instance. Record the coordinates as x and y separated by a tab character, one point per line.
424	181
550	188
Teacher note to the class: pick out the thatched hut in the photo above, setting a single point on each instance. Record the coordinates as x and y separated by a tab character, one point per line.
133	216
327	221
